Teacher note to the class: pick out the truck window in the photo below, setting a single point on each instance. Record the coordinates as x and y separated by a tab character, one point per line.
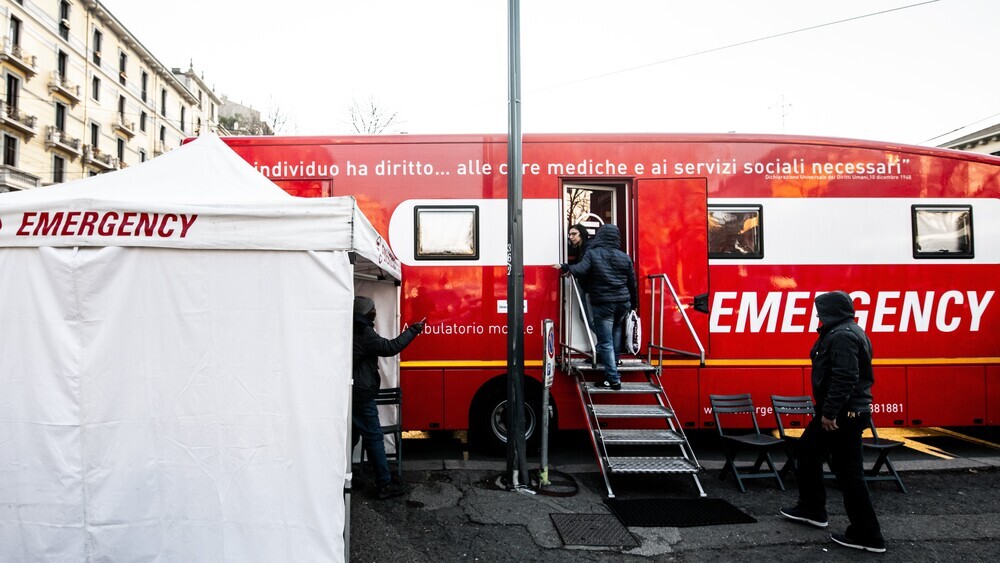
735	231
942	231
446	232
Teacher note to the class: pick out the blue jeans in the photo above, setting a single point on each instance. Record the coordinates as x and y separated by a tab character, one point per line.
609	322
365	422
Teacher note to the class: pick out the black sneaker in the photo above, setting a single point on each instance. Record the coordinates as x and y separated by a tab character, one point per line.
875	545
605	384
816	518
392	489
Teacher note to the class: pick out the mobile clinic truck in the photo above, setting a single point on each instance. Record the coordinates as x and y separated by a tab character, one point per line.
748	229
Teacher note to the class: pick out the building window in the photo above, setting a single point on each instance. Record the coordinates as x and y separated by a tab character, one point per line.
183	113
14	32
98	40
142	122
95	135
942	231
62	62
10	151
163	102
445	232
122	68
163	134
64	19
60	117
121	149
58	169
735	231
145	85
13	94
95	87
142	155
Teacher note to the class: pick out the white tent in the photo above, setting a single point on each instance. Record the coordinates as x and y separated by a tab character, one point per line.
175	364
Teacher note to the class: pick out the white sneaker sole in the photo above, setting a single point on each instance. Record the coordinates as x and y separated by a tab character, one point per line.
816	523
858	546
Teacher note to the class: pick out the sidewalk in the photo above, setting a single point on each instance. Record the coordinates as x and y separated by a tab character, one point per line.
456	512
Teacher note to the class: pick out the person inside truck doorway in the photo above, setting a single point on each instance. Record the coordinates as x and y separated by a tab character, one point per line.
579	239
613	293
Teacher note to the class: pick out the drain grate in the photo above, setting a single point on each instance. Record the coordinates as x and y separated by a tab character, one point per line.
593	530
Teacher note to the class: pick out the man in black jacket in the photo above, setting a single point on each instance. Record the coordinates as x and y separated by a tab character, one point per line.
368	347
613	292
842	379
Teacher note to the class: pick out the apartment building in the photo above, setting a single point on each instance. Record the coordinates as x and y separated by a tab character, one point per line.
83	96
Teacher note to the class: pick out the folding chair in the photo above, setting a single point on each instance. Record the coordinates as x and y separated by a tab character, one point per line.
735	407
798	405
883	447
790	406
392	396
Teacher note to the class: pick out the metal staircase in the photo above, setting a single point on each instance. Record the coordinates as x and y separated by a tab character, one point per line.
633	430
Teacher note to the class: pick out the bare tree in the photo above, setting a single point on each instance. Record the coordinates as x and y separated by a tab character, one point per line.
244	120
277	118
370	117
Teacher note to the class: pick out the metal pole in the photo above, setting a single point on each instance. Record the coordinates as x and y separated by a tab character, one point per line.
549	363
517	466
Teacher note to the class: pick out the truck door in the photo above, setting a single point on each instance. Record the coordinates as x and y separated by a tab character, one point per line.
671	234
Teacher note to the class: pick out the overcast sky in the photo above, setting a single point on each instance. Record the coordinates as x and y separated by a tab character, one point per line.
917	70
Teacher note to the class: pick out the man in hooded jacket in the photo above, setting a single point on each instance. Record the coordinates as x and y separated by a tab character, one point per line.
613	292
368	348
842	378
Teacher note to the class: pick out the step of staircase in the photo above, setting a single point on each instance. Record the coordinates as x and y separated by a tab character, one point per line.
631	465
627	387
639	437
584	366
630	411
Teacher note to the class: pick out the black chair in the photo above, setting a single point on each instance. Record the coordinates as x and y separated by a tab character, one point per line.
735	408
883	447
788	406
392	396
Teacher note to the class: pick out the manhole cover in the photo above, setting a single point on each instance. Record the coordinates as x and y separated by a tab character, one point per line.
593	530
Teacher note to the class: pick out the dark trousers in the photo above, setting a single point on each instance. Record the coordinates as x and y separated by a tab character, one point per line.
366	425
847	461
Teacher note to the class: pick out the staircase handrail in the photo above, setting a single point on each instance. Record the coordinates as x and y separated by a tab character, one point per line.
578	297
657	320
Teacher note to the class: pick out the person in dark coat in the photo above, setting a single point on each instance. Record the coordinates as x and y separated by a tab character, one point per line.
842	378
613	292
579	238
368	347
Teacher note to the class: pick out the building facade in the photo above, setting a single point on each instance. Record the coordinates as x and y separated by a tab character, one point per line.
984	140
83	96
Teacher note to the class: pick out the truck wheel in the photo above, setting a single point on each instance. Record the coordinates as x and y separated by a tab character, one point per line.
488	417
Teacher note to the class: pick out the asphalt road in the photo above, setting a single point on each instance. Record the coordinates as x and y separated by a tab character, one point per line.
456	511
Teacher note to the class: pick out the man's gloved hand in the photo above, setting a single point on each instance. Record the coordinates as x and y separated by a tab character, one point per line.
418	327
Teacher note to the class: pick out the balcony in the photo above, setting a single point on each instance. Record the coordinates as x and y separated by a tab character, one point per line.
12	179
56	139
123	125
16	119
14	55
63	87
98	159
159	148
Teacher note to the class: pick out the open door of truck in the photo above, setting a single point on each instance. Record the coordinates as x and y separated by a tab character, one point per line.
671	237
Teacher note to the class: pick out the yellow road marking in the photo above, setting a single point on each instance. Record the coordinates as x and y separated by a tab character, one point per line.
907	437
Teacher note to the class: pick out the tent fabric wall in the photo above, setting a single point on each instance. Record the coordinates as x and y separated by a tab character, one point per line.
178	398
197	421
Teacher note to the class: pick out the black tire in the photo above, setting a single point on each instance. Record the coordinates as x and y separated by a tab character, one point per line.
488	417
